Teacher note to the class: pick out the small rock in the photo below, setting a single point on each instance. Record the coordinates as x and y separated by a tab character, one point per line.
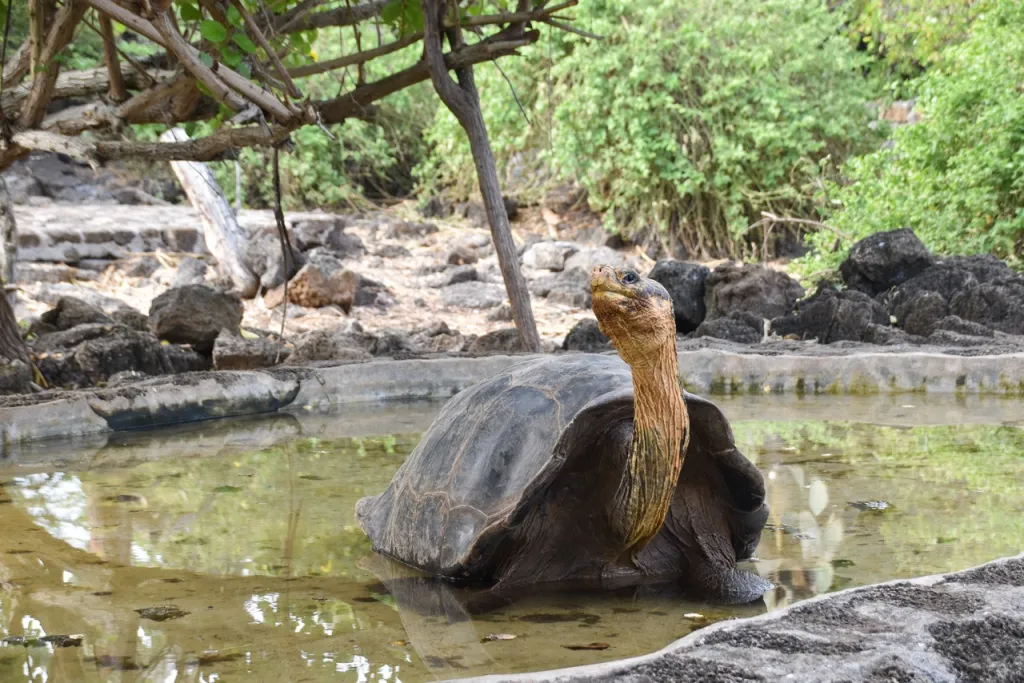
437	207
549	255
132	319
310	289
391	251
920	315
505	340
750	288
571	277
473	295
71	312
739	326
588	257
586	336
953	323
468	248
194	315
141	266
347	343
191	271
830	316
573	296
327	233
233	352
453	276
502	313
685	284
403	230
885	260
998	305
264	258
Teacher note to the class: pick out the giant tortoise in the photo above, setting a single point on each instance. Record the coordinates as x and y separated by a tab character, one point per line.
594	467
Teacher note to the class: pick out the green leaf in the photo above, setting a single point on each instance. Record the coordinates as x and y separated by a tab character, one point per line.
245	70
206	59
231	56
234	17
190	12
213	31
392	11
243	41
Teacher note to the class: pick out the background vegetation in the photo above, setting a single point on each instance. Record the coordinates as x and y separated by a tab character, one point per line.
689	120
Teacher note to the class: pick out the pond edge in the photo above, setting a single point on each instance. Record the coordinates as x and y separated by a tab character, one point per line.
192	397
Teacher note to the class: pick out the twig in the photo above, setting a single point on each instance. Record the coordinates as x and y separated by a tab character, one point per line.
357	58
262	40
117	90
570	29
18	66
768	217
60	35
286	251
515	95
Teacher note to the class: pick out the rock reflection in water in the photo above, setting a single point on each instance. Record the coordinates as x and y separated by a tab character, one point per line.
248	545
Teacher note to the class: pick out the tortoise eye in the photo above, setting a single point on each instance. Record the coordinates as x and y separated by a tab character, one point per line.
630	278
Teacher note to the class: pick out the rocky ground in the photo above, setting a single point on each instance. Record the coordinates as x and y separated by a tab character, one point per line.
111	292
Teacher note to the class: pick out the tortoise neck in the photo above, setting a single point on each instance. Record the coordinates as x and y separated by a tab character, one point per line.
660	434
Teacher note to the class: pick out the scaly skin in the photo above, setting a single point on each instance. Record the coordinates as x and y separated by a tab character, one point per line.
636	314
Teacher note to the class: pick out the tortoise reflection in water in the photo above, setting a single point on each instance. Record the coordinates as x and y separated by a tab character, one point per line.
581	467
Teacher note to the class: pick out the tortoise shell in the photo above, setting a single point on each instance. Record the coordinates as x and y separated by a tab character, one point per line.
512	480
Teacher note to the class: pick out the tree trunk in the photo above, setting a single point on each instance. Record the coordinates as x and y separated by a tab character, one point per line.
224	237
15	364
8	241
463	100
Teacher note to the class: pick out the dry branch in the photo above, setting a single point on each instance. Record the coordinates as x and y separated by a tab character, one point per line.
118	93
342	16
17	66
46	79
249	90
78	84
254	29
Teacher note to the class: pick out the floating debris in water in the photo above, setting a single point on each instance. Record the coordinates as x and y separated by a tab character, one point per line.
588	646
165	613
116	662
497	636
311	477
55	640
227	489
788	530
697	616
872	505
398	643
123	498
841	563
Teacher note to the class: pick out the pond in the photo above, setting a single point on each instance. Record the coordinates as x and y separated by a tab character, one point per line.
229	550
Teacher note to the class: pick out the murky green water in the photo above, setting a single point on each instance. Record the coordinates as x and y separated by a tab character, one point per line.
229	551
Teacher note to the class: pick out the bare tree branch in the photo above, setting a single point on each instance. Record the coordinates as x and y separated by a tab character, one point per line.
117	89
357	58
45	80
254	29
232	79
16	68
342	16
79	84
189	58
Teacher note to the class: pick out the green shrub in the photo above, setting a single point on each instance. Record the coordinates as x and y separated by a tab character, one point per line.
690	118
957	177
908	36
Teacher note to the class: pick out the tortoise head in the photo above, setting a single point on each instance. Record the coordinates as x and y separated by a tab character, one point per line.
633	311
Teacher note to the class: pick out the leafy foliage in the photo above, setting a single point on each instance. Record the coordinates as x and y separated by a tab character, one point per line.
689	119
957	177
910	35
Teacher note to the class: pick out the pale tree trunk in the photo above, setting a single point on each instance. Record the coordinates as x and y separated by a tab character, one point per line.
15	365
463	100
8	240
224	237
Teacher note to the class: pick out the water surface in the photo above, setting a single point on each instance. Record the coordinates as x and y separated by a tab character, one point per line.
229	551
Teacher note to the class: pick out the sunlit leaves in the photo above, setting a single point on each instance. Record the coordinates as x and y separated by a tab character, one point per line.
243	41
213	31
